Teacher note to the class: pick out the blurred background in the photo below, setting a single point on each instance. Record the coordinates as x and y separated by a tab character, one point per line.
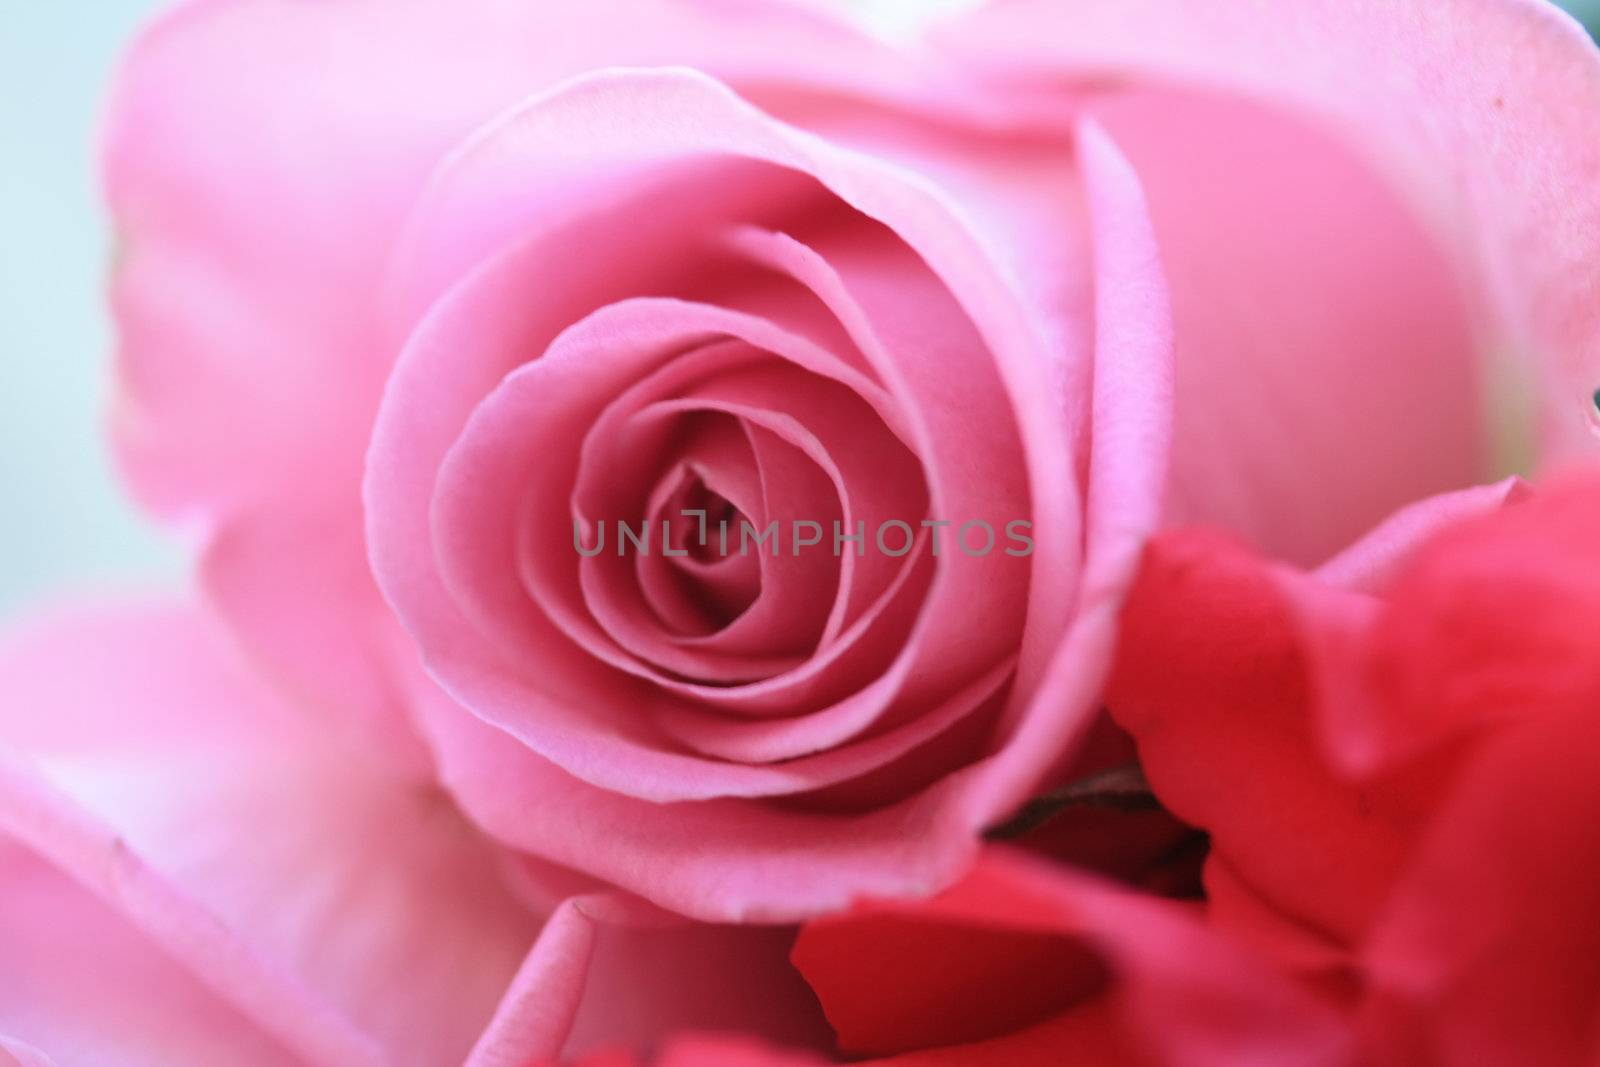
64	522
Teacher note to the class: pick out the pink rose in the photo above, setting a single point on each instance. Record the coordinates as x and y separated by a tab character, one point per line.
812	280
816	332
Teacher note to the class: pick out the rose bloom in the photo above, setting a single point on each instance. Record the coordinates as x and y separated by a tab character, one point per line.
452	296
408	290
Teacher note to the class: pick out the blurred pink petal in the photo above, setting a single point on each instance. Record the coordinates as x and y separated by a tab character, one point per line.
608	972
338	895
1483	116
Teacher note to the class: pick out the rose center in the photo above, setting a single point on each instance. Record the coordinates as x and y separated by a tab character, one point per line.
705	526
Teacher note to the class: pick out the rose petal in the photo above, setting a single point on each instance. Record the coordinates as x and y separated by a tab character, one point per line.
1176	989
1212	682
91	932
1372	563
610	972
1484	115
1128	434
22	1055
1497	960
724	860
1324	369
370	892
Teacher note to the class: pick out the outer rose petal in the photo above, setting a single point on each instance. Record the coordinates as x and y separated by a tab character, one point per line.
1373	562
1324	366
610	971
252	139
1486	112
1448	867
259	158
1176	993
1490	952
368	894
695	1051
105	963
22	1055
1445	659
1238	679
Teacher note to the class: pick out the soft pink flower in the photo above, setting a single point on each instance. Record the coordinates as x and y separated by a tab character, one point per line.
456	259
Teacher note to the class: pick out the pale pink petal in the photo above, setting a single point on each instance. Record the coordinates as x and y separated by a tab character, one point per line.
727	860
1325	372
1486	114
609	972
228	177
1371	563
370	893
295	585
1174	988
106	961
22	1055
1129	434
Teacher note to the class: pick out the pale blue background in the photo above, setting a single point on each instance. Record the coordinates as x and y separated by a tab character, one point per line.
64	523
